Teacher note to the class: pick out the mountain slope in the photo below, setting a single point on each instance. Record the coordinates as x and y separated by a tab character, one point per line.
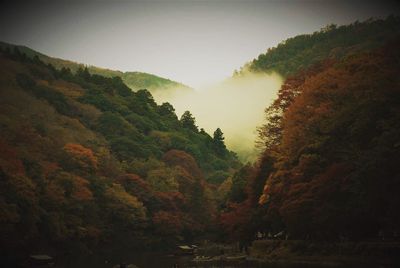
302	51
85	163
338	151
330	142
134	80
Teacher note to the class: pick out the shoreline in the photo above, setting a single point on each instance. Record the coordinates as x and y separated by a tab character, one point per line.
299	253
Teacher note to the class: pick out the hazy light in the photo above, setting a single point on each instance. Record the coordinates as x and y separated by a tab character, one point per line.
235	105
198	43
194	42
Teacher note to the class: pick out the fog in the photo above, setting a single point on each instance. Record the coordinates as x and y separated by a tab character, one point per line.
236	105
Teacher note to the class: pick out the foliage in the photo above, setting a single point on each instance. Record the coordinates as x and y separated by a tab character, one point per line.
218	140
338	148
80	158
334	42
123	207
134	80
188	121
89	161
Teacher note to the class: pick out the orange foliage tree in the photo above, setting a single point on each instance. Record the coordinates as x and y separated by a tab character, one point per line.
80	158
335	162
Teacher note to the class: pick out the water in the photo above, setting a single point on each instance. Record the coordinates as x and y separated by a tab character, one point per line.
160	260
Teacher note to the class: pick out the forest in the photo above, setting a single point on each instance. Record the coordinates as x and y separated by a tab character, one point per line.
88	163
331	137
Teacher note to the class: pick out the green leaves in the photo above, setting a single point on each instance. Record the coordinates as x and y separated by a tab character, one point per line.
188	121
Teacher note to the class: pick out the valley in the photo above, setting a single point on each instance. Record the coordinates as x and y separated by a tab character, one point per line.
292	161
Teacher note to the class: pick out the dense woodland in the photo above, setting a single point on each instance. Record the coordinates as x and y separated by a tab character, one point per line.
330	148
134	80
303	51
86	162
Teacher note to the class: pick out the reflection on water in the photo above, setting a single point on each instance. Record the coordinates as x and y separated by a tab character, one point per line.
157	260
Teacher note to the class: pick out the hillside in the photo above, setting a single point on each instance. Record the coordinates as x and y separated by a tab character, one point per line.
329	169
339	146
332	42
89	166
87	163
134	80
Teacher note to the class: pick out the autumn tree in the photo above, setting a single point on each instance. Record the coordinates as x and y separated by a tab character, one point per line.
80	158
337	143
124	208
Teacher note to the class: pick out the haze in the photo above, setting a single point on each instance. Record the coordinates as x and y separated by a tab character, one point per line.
236	105
198	43
194	42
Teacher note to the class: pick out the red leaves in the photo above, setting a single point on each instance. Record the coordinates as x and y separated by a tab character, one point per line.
167	223
130	178
236	220
333	154
172	201
9	161
81	157
184	160
81	191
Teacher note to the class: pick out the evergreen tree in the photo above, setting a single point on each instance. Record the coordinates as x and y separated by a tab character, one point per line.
188	121
218	140
84	73
166	109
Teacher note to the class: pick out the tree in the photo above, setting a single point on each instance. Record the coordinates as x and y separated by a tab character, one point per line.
145	97
123	207
166	109
83	73
336	162
218	140
80	158
188	121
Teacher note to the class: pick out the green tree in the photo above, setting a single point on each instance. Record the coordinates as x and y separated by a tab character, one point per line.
218	140
166	109
84	73
188	121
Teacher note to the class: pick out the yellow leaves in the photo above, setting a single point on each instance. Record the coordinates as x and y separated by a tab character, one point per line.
263	199
163	179
123	204
118	193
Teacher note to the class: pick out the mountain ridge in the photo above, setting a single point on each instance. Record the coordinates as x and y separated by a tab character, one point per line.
134	79
331	42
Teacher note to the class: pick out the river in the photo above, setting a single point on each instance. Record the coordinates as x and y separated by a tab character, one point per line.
158	260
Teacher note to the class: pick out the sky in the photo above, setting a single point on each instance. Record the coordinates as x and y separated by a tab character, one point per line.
197	43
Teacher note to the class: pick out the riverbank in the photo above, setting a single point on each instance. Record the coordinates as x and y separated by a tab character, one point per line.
300	253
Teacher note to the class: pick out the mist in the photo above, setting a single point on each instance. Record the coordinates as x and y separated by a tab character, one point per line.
236	105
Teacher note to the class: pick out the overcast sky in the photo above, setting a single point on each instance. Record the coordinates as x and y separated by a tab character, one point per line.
193	42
